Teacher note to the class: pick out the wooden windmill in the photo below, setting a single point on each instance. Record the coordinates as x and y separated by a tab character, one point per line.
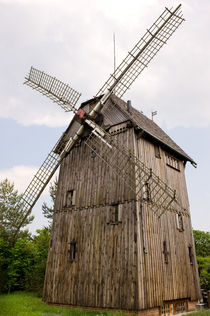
122	235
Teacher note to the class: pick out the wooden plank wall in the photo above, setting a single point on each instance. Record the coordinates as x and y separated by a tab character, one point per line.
104	273
105	260
177	279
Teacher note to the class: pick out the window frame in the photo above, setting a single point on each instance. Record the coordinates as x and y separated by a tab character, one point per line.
172	162
180	222
115	214
157	151
71	198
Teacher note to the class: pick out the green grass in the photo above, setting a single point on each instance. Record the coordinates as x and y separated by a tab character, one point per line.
28	304
205	312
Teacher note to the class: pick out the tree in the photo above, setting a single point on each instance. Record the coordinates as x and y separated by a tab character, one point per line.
202	243
202	248
48	211
204	272
10	211
40	246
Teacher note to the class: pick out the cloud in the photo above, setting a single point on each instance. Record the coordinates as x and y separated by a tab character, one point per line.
74	43
21	177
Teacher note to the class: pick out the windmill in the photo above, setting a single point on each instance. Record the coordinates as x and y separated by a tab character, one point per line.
148	189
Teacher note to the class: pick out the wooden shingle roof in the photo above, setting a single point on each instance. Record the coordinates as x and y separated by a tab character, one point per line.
143	123
116	111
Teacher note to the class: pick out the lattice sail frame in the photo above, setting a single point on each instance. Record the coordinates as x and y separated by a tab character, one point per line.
56	90
161	196
140	179
143	52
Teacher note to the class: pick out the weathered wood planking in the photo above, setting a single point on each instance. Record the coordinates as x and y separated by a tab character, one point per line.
118	265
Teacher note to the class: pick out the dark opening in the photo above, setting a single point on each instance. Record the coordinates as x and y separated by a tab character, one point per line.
69	198
190	254
116	213
157	151
147	192
165	252
180	222
72	251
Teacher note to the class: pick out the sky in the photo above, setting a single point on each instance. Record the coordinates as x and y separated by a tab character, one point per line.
73	40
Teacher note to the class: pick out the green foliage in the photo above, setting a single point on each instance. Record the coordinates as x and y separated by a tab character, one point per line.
40	247
21	265
202	247
205	312
5	257
48	211
27	304
202	243
10	211
204	271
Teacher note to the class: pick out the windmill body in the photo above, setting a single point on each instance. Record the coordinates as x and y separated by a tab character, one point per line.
121	235
107	249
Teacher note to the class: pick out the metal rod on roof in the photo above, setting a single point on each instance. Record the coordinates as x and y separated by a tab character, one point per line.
114	47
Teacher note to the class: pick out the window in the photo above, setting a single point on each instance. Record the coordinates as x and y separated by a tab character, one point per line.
165	252
180	222
72	251
180	307
70	198
93	152
157	151
173	307
172	162
166	309
146	192
115	214
190	254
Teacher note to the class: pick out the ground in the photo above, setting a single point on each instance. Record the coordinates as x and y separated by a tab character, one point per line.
28	304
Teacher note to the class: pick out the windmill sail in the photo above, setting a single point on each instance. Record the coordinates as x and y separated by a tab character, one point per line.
138	58
143	52
147	186
40	181
53	88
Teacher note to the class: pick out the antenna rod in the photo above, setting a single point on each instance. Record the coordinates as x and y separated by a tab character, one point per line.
114	53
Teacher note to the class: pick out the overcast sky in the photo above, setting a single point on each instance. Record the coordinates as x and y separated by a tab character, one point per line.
73	40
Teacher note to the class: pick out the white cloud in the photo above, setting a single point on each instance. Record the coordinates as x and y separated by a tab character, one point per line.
21	176
74	42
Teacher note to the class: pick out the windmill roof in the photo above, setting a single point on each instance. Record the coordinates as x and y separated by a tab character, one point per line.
145	124
116	111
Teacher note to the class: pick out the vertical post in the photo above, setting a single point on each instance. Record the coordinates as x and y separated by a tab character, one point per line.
140	250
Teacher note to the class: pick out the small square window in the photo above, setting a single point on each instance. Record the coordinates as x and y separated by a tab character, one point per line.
146	192
70	198
115	214
172	162
72	251
157	151
165	252
190	254
180	222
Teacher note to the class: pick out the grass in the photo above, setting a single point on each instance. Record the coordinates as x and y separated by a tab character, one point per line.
205	312
28	304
